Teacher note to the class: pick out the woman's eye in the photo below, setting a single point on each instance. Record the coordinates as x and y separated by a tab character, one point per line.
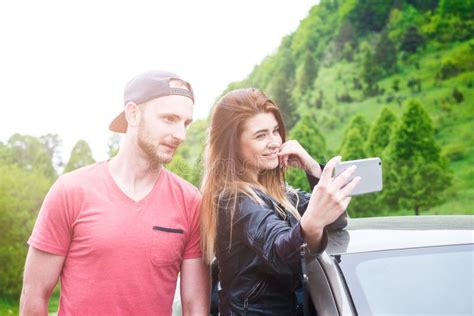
275	132
261	136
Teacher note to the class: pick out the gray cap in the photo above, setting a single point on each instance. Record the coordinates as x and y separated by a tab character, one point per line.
145	87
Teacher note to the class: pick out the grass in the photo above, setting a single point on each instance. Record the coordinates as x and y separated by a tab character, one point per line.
10	306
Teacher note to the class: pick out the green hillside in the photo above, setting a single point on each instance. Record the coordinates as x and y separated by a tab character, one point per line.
357	57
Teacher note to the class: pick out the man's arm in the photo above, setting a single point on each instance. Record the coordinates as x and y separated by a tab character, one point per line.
195	287
42	270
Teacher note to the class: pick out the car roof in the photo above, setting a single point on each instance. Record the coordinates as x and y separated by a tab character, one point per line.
400	232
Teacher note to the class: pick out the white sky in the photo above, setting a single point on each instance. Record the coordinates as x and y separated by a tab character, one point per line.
64	64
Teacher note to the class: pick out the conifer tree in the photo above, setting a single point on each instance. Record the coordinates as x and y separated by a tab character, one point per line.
307	74
81	155
30	153
309	136
279	91
379	134
412	40
385	55
353	149
416	173
358	122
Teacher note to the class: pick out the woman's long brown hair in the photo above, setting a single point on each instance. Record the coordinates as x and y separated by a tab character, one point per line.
225	174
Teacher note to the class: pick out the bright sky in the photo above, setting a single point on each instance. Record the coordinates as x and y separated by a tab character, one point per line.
64	64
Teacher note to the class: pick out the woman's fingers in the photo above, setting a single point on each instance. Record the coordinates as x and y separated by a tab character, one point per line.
345	202
347	190
283	155
326	175
291	154
342	179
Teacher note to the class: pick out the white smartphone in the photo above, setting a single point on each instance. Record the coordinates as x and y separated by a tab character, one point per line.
370	172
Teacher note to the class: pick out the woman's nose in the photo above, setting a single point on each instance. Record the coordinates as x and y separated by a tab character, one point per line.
273	144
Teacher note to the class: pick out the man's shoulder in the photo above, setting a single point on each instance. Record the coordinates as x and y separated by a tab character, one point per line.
82	176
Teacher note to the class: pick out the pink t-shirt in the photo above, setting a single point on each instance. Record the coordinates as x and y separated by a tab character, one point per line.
122	256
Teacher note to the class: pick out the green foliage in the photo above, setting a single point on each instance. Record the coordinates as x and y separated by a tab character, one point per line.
53	144
380	132
359	123
461	60
113	145
371	72
401	20
314	33
396	85
309	136
347	52
187	161
353	146
446	29
180	167
29	153
414	135
424	5
278	91
21	195
81	155
346	40
385	55
461	8
414	84
417	174
370	15
306	74
457	95
455	152
412	40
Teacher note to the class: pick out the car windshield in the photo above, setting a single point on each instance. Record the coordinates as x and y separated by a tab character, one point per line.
431	280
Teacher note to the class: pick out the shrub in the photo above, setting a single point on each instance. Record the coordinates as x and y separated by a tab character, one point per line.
454	152
414	84
396	85
457	95
448	69
344	98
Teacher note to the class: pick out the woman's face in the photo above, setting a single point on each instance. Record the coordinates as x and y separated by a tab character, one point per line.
260	142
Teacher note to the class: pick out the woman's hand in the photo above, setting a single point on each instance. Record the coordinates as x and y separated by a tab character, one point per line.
329	200
294	155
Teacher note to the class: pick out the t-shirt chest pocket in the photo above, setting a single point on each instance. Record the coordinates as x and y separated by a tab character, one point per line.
167	246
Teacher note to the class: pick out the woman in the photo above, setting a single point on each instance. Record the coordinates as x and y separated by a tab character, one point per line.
251	221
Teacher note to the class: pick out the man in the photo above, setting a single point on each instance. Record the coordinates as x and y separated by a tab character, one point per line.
118	232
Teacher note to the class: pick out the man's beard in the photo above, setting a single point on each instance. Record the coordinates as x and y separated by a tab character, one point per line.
150	149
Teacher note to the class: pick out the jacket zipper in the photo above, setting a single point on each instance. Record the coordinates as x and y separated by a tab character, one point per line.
253	293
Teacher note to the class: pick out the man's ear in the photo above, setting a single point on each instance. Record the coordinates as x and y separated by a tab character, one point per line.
132	113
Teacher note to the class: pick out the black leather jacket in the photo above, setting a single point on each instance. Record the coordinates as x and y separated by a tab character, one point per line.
260	266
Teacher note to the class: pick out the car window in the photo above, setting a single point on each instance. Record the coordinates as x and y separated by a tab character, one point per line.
431	280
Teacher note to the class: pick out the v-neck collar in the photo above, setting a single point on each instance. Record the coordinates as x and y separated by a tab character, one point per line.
123	196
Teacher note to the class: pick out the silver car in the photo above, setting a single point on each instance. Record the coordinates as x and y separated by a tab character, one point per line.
411	265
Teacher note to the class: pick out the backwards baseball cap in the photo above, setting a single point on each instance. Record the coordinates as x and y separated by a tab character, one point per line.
145	87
